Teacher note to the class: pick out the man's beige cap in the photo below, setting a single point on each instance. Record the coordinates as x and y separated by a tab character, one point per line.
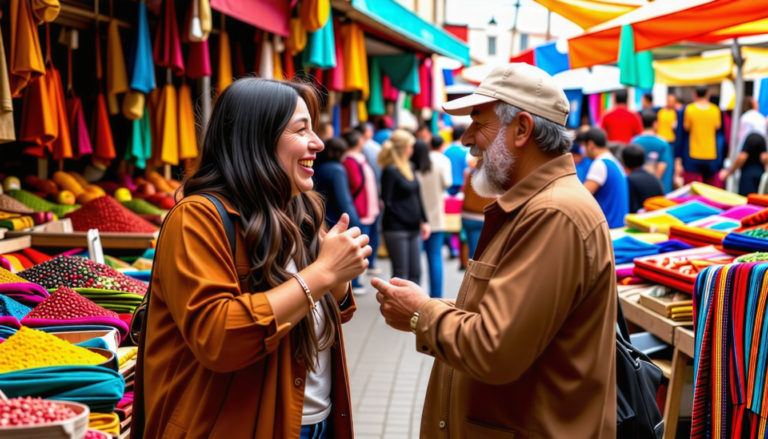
522	85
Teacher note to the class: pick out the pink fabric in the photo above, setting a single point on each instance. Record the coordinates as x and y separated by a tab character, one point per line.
271	15
334	77
388	90
126	318
704	200
10	322
127	399
740	212
26	293
453	205
367	201
199	60
623	272
118	324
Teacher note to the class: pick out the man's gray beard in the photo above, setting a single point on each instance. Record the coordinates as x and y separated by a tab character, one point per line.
489	180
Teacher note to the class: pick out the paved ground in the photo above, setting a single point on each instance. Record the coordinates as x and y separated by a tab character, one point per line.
388	377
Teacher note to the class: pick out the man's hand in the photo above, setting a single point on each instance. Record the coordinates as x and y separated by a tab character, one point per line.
399	299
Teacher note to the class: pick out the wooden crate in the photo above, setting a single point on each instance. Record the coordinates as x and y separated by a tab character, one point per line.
60	234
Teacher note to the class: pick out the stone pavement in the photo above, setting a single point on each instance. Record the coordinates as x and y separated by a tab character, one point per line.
388	376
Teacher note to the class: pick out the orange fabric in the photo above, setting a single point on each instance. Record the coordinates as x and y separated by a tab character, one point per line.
656	203
218	362
62	146
225	61
659	24
7	128
755	219
39	121
187	131
589	13
757	199
45	10
710	237
101	132
26	55
117	77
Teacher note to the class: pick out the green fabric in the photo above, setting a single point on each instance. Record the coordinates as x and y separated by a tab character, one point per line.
97	387
403	71
139	148
407	103
414	28
376	106
321	48
636	69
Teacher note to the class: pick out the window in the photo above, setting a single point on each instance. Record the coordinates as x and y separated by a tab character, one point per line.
523	42
491	46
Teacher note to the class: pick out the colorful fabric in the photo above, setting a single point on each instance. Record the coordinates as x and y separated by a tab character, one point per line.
101	131
78	129
757	199
355	60
7	128
403	73
321	48
692	211
696	236
636	69
376	105
742	243
141	65
225	62
167	148
108	423
315	14
199	61
139	148
551	60
741	212
167	44
117	76
26	62
187	131
757	218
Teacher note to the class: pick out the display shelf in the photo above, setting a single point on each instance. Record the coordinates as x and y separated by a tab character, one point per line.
649	320
11	245
60	234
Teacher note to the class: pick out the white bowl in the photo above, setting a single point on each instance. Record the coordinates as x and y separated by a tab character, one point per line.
73	428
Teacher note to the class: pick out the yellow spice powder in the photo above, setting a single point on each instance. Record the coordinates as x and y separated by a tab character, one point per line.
6	277
30	348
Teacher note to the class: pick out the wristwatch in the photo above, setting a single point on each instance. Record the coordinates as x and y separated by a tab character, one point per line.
414	321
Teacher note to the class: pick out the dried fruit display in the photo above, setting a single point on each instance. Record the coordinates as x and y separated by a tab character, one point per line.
79	272
66	304
32	411
108	215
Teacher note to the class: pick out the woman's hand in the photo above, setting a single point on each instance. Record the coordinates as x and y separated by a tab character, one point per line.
724	175
343	252
425	231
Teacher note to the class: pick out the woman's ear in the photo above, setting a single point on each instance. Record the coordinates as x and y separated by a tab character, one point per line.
522	129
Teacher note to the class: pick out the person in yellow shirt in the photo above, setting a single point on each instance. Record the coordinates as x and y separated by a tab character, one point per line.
701	119
666	119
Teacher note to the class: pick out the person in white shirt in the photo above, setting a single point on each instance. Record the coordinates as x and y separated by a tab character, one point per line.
751	121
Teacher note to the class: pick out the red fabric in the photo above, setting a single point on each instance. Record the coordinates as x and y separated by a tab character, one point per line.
621	125
424	98
290	69
23	260
356	180
334	78
199	60
270	15
460	32
526	56
35	256
101	131
662	279
167	50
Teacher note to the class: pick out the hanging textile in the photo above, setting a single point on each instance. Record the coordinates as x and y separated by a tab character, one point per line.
45	10
266	68
78	130
139	148
141	65
636	68
7	130
197	23
167	49
314	14
297	41
225	61
290	69
551	60
403	72
26	54
424	98
575	98
334	77
101	131
376	106
439	96
199	61
117	78
390	92
166	149
61	148
187	130
277	66
38	118
355	60
321	48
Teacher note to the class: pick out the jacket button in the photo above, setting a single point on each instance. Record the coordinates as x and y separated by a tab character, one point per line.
442	424
298	382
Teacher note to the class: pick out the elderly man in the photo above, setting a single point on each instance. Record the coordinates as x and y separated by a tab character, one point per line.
527	350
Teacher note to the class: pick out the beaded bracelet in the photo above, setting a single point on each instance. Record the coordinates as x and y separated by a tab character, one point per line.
306	291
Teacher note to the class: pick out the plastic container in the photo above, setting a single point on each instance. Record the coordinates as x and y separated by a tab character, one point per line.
73	428
647	343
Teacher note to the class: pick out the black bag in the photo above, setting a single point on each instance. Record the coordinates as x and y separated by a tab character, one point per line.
637	383
138	330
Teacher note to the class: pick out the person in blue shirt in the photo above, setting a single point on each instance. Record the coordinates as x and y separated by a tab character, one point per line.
606	179
658	152
385	130
457	154
580	158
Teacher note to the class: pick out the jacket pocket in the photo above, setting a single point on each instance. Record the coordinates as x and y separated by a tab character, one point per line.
478	276
475	429
173	431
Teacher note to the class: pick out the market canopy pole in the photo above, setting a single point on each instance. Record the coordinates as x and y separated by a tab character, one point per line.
738	61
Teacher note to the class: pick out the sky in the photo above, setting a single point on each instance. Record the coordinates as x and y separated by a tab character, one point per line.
533	17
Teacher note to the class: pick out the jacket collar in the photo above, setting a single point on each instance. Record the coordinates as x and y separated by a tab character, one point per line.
534	183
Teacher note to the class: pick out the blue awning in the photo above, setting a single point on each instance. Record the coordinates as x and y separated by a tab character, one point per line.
396	17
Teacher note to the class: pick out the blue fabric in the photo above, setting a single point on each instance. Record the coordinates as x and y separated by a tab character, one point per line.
12	308
613	195
762	99
457	154
94	343
672	245
743	243
382	135
472	229
337	119
333	184
375	237
576	100
6	332
98	387
448	77
582	168
662	150
321	48
148	254
692	211
433	247
627	248
317	431
551	60
141	65
143	276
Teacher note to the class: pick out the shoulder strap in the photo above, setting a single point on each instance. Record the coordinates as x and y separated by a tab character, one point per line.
226	219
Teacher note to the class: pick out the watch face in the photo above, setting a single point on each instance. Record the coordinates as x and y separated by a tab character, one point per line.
414	321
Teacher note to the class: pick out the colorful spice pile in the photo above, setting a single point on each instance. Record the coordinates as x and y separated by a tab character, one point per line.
78	272
41	204
32	411
108	215
66	304
12	308
30	348
6	277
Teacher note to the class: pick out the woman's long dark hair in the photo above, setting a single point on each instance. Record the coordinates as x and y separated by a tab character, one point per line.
238	162
420	157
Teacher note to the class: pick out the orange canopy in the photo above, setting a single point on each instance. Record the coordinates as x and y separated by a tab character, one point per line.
662	23
759	27
590	13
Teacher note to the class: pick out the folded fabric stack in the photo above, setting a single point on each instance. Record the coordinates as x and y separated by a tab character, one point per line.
11	312
757	218
656	203
740	212
692	211
659	220
758	200
117	301
673	305
696	236
748	241
20	289
716	222
15	221
627	248
678	270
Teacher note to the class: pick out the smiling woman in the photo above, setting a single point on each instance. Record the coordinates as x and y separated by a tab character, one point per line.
249	345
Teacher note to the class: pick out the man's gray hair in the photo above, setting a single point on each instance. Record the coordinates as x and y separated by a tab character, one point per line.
550	137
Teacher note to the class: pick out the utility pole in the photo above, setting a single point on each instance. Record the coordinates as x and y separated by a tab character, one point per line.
514	27
549	24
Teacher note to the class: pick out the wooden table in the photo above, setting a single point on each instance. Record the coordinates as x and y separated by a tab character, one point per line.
675	334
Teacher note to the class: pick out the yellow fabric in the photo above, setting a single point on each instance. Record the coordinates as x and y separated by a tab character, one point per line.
355	59
106	422
167	127
133	105
755	61
589	13
187	131
225	62
297	41
206	22
277	66
7	130
702	125
314	14
117	77
694	71
26	55
667	121
757	27
652	223
45	10
717	194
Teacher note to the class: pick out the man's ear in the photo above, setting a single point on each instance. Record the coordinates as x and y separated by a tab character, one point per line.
522	129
